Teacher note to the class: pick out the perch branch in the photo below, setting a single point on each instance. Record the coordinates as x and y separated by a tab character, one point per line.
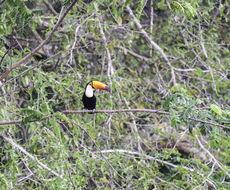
26	58
113	111
116	111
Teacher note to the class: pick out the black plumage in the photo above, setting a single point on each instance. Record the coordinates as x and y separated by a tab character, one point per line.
89	103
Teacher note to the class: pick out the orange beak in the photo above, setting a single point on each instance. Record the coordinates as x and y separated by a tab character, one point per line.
101	86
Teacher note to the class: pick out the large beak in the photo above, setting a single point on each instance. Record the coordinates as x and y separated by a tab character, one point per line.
101	86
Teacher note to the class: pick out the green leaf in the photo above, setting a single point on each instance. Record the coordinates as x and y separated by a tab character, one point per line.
62	117
44	108
32	115
95	6
56	128
216	109
198	72
161	5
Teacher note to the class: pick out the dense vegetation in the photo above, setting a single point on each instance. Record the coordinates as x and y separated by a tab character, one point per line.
168	58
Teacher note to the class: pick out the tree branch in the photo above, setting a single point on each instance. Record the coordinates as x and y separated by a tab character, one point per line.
18	147
213	157
2	2
114	111
154	44
24	72
145	156
110	66
26	58
208	122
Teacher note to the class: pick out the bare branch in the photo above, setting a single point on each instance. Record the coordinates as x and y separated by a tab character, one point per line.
50	7
208	122
116	111
24	72
211	156
18	147
2	2
155	45
75	37
144	156
110	66
26	58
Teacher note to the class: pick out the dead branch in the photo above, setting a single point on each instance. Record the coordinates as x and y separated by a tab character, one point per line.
2	2
154	44
18	147
110	66
26	58
215	161
50	7
208	122
145	156
26	71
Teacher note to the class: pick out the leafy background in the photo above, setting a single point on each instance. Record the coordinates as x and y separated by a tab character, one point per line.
187	147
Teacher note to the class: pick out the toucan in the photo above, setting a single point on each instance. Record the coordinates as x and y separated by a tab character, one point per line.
88	98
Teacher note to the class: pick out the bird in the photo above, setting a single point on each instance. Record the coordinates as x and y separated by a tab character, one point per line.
89	100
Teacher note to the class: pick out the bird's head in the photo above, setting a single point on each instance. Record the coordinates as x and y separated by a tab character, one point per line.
94	85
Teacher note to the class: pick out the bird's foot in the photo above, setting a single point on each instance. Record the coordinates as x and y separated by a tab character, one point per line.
91	111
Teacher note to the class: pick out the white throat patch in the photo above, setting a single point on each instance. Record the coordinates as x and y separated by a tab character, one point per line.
89	91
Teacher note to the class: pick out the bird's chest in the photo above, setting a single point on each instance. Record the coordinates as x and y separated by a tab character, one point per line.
89	103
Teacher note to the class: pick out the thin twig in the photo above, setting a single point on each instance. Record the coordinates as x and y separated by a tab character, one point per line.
95	144
211	156
136	55
75	37
50	7
151	25
2	58
134	128
18	147
208	122
144	156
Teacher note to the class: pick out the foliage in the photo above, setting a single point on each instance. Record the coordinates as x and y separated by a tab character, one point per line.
124	150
